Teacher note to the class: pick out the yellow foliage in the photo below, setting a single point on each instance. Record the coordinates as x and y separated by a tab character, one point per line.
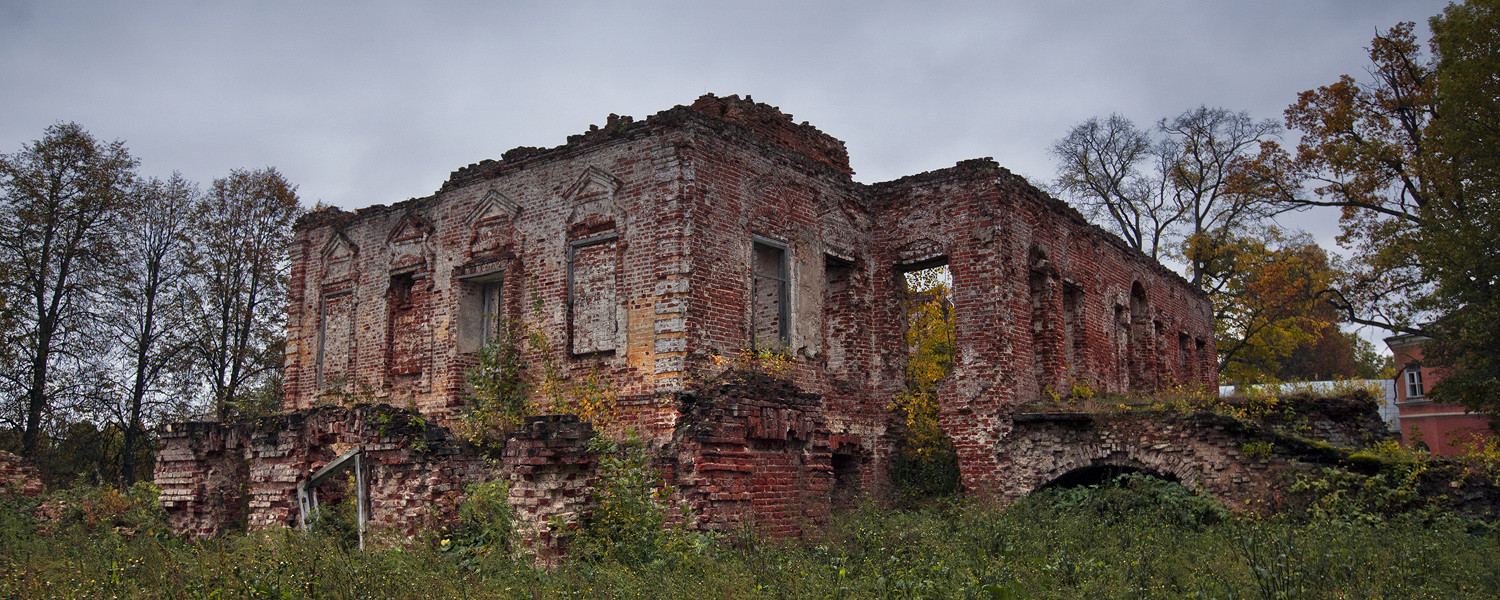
753	360
930	349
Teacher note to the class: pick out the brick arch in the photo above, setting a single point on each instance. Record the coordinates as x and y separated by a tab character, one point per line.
1203	452
1141	459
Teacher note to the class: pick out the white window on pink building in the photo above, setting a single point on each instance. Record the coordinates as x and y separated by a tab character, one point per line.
1414	383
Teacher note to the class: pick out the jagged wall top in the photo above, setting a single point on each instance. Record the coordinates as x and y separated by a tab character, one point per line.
776	127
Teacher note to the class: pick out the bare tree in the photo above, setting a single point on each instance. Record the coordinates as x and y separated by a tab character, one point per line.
1101	170
1212	146
1181	185
148	302
63	196
244	228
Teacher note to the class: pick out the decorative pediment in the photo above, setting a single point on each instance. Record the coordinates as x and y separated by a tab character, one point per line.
338	255
411	229
494	207
593	182
593	198
338	248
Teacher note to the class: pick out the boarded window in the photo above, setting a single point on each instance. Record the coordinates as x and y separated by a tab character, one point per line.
1189	372
335	341
592	295
407	327
1141	346
1122	346
1200	353
841	321
769	297
1043	342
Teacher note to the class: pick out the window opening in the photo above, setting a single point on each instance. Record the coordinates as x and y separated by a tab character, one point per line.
769	316
481	305
926	463
845	478
1073	340
489	311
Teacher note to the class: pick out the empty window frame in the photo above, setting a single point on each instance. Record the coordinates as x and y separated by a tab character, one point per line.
593	267
770	315
489	309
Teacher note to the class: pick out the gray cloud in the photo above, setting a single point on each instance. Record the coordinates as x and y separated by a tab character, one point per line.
374	102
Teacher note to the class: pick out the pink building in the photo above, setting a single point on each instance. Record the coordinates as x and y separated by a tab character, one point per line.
1444	429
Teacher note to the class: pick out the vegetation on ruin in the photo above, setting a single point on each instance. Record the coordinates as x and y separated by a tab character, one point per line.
517	375
1356	536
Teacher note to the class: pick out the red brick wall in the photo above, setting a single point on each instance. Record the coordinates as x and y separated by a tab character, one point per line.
215	477
1012	253
754	451
1043	300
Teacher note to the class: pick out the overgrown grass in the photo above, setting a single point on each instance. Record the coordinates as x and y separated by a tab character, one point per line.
1139	538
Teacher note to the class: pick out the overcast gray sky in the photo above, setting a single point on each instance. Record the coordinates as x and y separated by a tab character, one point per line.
373	102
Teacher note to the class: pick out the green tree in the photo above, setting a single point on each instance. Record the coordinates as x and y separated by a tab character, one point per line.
1462	257
63	196
243	231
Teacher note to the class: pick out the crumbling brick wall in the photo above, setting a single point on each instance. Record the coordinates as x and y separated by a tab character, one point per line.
1246	463
18	477
754	451
217	477
551	473
1043	302
651	251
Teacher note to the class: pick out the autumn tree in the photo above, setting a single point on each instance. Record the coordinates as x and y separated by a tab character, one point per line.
59	213
1268	308
1409	156
148	301
242	229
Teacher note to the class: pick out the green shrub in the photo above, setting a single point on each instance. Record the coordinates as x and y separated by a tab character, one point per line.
486	526
629	520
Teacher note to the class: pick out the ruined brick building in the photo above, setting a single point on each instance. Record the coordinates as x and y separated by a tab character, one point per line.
644	248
